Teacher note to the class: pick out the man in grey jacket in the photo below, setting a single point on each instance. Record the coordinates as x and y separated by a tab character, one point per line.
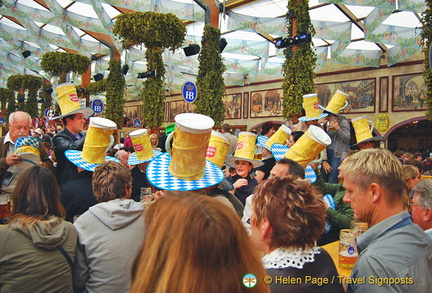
109	233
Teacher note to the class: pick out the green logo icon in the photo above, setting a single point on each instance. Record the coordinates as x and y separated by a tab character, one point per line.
249	280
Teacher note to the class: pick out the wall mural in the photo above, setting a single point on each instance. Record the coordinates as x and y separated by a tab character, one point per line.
266	103
361	94
178	107
409	93
233	106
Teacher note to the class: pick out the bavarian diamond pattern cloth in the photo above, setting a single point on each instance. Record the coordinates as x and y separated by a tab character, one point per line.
27	140
159	176
261	140
279	150
330	201
75	157
133	160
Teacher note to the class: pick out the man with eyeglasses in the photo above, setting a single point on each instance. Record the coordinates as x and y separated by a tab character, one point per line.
421	205
19	126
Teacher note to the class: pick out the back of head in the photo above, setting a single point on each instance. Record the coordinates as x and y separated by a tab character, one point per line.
295	212
36	196
410	172
226	127
111	180
296	135
378	166
415	163
197	240
408	155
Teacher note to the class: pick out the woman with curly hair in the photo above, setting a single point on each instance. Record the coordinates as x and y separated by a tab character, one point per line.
288	218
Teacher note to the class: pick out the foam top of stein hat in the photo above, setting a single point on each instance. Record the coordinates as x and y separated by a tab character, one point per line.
319	135
103	123
358	118
194	123
220	135
137	133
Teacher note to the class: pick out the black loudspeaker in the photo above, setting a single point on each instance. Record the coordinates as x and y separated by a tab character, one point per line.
191	50
222	44
125	69
26	53
98	77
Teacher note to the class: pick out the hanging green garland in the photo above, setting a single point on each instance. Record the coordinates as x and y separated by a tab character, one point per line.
20	83
115	93
157	31
32	84
60	63
210	83
5	96
299	62
426	36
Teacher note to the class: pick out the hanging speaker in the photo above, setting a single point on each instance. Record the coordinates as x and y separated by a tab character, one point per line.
222	44
26	53
191	50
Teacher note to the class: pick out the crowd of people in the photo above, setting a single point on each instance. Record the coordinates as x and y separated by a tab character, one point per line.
145	219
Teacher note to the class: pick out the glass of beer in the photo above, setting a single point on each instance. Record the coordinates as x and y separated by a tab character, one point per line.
358	227
347	249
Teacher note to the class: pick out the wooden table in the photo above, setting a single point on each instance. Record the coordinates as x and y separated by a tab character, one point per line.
333	250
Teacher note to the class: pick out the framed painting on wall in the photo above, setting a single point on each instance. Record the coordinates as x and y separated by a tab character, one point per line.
178	107
233	106
361	94
131	112
383	90
409	93
266	103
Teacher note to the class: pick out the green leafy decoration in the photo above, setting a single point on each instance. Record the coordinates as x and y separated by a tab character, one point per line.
426	36
157	31
20	83
60	63
299	62
115	99
210	83
5	96
96	87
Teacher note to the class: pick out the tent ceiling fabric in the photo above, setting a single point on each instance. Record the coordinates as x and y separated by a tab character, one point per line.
355	32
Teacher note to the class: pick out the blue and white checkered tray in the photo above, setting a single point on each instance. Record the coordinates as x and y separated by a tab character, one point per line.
27	140
75	157
159	176
279	150
133	160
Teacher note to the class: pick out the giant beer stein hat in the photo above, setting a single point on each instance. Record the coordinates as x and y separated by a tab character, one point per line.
142	146
97	141
363	131
338	102
311	107
245	150
68	101
184	166
279	151
27	149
